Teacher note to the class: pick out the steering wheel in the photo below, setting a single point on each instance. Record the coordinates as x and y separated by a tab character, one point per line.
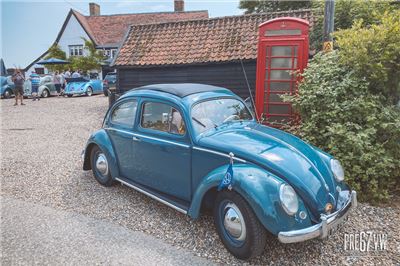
231	117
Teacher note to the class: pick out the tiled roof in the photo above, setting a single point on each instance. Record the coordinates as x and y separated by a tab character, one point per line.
197	41
110	29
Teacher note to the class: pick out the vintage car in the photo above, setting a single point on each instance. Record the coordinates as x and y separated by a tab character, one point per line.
6	87
46	87
83	86
197	147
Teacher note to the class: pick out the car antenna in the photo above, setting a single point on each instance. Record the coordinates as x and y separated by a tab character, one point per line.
248	87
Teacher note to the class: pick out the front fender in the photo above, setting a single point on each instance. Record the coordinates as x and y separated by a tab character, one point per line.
261	191
101	139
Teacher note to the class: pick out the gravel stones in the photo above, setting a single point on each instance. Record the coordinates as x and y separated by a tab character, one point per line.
41	144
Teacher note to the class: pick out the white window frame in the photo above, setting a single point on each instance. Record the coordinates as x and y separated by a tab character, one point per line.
75	50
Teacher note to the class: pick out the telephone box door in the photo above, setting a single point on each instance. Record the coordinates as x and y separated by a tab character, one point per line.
280	65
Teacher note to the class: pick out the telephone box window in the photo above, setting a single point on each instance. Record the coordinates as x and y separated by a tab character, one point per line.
282	32
280	86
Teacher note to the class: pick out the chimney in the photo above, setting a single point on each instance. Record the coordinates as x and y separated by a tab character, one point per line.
179	5
94	9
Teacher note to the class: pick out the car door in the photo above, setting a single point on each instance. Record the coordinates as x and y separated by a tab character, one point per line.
161	149
121	121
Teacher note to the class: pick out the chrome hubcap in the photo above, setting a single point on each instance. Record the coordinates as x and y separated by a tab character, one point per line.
234	222
89	92
101	164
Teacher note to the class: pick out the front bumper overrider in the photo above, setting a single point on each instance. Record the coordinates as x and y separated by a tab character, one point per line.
322	229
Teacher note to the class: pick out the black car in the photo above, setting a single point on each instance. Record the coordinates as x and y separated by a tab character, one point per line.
109	80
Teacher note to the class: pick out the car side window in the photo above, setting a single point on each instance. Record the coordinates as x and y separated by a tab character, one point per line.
162	117
124	114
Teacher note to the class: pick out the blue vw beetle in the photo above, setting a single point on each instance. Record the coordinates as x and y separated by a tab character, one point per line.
82	86
195	147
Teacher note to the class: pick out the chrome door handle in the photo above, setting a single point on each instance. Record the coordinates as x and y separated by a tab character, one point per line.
135	138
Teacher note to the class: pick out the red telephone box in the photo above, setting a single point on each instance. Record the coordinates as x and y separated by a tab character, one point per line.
282	49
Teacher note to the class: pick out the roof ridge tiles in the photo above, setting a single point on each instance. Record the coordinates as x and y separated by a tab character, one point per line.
223	18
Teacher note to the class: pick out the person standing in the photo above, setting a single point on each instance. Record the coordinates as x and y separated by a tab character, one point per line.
57	82
35	81
76	74
18	79
67	74
62	79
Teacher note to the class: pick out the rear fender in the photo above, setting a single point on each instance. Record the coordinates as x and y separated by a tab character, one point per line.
261	191
101	139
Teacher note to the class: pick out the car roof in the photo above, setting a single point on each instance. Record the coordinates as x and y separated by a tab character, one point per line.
181	90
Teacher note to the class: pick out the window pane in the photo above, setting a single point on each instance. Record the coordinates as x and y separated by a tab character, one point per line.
273	97
124	114
282	32
279	109
281	74
281	63
162	117
282	51
279	119
280	86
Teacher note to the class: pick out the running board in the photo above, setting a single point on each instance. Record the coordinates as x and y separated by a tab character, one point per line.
127	183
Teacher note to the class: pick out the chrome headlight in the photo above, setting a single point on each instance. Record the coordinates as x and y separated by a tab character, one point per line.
337	170
288	198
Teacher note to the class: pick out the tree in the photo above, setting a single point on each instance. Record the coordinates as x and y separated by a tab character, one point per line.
55	52
272	5
374	53
346	13
91	61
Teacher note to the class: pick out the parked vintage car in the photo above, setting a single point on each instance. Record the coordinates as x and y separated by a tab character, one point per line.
46	87
109	81
195	147
6	87
83	86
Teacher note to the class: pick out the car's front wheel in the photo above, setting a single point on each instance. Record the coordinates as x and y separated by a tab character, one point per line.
89	91
237	226
100	167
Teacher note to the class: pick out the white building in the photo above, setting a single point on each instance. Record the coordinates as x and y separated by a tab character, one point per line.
106	31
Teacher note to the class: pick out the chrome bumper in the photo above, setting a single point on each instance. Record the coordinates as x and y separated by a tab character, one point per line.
324	228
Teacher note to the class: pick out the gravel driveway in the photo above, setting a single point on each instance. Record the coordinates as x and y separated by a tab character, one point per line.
40	148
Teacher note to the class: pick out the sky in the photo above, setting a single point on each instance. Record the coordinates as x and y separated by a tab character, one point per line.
29	28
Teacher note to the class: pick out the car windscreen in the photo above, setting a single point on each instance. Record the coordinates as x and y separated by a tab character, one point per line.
213	113
111	77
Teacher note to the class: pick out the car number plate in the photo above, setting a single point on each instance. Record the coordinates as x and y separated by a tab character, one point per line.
332	230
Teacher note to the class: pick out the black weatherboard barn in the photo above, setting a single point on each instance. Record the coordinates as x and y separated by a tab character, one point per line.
217	51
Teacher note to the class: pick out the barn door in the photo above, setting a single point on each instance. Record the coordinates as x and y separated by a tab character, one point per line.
281	60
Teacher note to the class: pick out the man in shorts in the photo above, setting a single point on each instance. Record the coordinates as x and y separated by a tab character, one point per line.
35	81
18	79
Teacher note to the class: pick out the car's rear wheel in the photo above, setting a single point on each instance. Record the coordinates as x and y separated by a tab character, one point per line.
7	94
69	95
45	93
105	92
100	167
237	226
89	91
